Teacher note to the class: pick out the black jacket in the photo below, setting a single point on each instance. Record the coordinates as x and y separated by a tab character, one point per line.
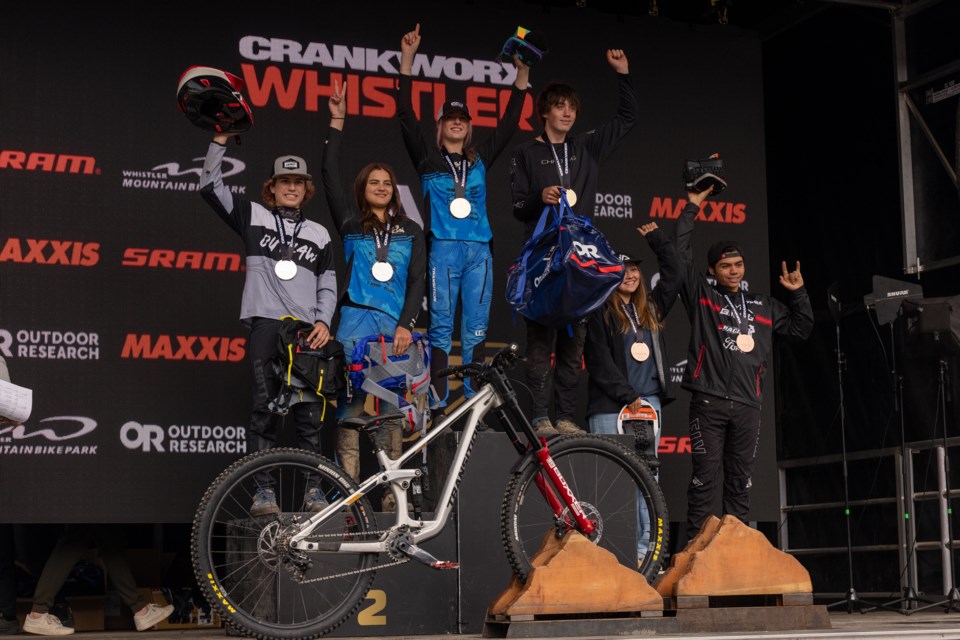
715	365
608	388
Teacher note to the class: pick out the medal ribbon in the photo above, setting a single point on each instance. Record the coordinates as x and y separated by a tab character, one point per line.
382	242
286	250
634	318
459	179
565	171
743	325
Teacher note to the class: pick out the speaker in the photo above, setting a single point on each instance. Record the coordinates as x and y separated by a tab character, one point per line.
934	325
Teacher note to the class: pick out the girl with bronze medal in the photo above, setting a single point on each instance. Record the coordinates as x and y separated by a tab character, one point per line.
745	341
638	350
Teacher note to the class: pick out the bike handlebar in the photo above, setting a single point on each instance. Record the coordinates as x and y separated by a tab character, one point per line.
502	358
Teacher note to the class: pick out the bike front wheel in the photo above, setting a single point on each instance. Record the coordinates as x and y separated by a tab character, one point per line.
248	571
615	489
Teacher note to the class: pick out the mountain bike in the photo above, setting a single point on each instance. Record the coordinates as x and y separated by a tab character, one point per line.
301	574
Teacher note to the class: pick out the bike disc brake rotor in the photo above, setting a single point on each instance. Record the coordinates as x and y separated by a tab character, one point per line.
568	522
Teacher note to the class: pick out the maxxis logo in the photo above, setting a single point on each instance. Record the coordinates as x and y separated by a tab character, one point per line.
70	253
710	210
166	347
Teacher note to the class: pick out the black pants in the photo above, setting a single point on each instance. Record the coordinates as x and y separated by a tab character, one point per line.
723	433
262	349
543	343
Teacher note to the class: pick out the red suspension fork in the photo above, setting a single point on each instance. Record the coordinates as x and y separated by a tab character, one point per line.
584	525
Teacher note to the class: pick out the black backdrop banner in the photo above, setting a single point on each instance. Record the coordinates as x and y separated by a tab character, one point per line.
120	291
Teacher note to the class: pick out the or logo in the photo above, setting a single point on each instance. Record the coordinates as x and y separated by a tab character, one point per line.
152	438
50	345
586	250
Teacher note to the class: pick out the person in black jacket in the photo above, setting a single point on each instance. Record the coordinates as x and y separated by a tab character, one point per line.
731	337
625	350
558	163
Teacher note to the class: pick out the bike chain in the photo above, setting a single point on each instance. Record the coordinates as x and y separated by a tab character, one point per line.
302	580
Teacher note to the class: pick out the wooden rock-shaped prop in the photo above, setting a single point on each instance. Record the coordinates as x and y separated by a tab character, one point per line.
728	558
573	575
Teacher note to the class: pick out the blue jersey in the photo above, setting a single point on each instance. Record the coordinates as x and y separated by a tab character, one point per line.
402	295
436	176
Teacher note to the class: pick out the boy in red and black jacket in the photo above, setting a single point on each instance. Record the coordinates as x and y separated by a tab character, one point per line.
731	337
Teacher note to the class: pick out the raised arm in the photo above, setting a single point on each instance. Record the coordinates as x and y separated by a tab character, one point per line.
413	137
795	319
664	295
604	140
330	169
212	189
497	142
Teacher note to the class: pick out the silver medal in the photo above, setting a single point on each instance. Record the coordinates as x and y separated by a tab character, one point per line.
382	271
640	351
285	269
571	196
460	208
745	342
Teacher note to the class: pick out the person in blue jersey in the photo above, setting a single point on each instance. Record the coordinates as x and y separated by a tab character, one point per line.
385	283
289	272
453	173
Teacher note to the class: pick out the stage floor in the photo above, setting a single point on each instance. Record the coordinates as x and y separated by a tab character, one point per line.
886	625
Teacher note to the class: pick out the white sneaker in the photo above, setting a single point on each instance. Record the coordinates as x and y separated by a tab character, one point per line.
153	615
46	625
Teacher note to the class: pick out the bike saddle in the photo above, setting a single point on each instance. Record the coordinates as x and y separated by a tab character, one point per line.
373	422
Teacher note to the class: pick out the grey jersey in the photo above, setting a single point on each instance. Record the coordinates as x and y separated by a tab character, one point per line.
311	294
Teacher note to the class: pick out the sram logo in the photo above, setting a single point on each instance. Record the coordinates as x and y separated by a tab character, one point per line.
164	347
66	252
171	259
710	211
48	162
674	444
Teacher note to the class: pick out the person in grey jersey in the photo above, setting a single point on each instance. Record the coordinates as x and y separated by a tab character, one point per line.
289	272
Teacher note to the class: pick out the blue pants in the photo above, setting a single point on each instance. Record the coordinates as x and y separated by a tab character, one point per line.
460	270
606	424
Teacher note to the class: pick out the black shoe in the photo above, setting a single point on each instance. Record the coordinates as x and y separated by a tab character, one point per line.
9	627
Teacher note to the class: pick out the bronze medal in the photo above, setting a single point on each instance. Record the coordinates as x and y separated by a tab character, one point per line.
745	342
640	351
571	196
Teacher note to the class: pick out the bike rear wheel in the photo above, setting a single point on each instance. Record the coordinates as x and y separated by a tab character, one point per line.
611	483
244	565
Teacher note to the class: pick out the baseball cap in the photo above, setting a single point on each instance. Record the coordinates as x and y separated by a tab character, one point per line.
626	258
290	166
453	106
721	250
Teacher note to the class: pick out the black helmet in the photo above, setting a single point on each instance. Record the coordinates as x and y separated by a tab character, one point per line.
211	99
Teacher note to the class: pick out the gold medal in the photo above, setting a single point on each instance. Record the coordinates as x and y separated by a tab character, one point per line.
460	208
745	342
382	271
640	351
285	269
571	196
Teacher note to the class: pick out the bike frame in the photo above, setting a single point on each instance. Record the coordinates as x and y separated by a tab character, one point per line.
392	473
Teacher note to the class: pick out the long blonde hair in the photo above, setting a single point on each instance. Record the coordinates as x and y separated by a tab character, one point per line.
616	317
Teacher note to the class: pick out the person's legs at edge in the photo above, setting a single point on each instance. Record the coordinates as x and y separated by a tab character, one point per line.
540	343
566	376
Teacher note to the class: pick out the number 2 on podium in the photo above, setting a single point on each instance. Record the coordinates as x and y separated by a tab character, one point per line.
371	616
